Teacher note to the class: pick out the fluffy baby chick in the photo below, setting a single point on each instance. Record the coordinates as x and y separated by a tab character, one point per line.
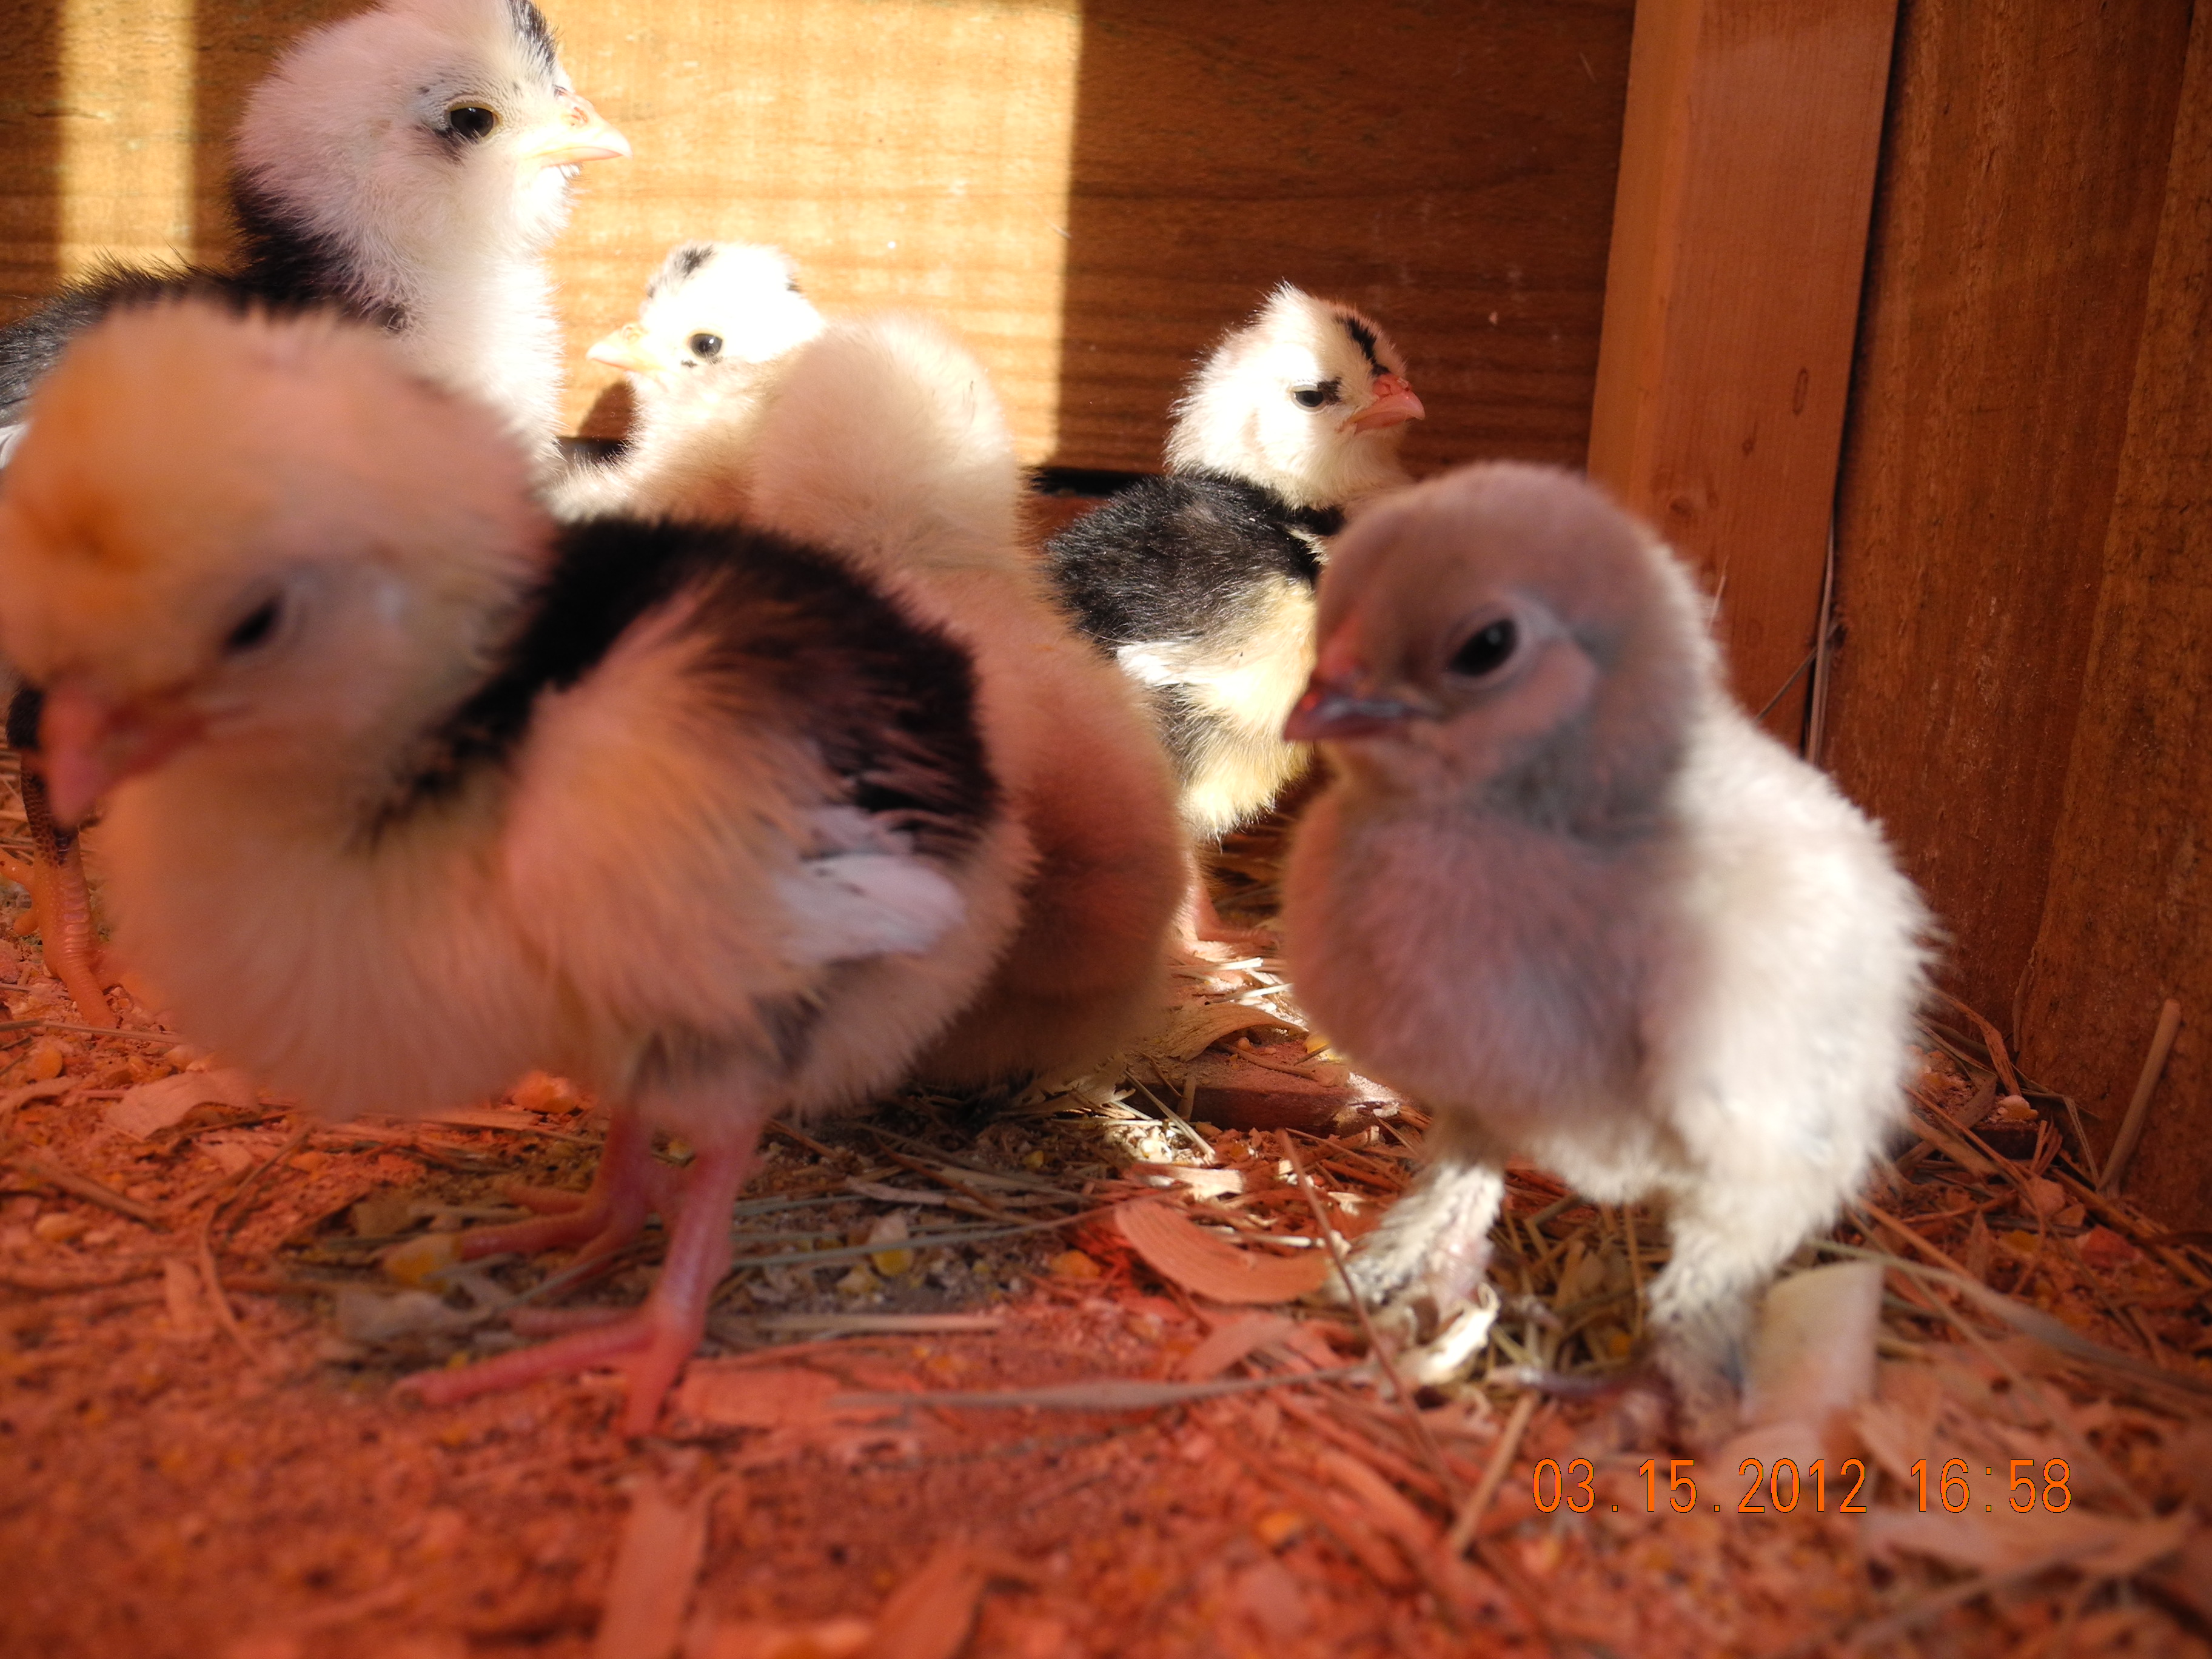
416	792
711	303
1562	889
408	165
1201	583
849	421
717	318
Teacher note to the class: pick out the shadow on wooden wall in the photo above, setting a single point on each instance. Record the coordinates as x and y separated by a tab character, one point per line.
2022	602
235	43
1449	168
30	137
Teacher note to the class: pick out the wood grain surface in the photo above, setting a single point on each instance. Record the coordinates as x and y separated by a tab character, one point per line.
1732	301
30	138
1447	168
1092	193
2023	175
2129	920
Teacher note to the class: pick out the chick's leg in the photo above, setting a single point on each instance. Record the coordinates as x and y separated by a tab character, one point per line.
1203	924
625	1188
1435	1241
650	1345
1723	1250
61	906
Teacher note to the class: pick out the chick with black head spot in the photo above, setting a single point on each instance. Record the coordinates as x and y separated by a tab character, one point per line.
407	165
1201	583
719	323
1563	891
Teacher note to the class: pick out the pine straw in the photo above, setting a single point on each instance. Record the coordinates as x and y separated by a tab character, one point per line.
161	1492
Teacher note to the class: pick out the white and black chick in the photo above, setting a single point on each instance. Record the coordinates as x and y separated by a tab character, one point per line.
415	791
407	165
1201	583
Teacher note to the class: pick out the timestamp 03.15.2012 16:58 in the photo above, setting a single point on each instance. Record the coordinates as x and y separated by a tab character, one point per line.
1783	1487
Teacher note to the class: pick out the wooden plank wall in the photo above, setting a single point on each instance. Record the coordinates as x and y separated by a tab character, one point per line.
1732	299
1449	167
1092	192
2022	536
2129	920
2023	174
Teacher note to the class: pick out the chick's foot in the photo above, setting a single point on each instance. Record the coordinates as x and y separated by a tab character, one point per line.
627	1187
648	1346
1203	924
1434	1244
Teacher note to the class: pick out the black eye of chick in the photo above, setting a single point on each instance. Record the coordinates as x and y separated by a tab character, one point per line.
1316	397
472	121
1487	650
706	345
258	625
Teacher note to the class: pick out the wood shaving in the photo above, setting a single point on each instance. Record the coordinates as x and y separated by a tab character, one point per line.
974	1454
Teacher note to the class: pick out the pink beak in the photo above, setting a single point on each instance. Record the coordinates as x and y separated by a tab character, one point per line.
87	745
1394	404
1334	708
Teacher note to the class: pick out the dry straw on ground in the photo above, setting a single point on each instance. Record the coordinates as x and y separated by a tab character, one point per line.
959	1397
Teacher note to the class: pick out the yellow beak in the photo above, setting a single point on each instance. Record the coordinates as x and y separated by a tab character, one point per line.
626	349
578	133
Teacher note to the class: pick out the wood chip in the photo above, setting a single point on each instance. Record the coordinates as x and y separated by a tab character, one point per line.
1238	1094
753	1398
1198	1027
86	1188
932	1614
656	1565
1233	1341
2109	1545
148	1106
1203	1183
1213	1268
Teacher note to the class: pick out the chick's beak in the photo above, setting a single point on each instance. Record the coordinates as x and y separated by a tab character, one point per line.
1342	707
88	745
578	133
626	349
1394	404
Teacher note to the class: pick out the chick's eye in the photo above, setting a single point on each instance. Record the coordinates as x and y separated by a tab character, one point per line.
706	345
1487	650
253	630
472	121
1316	397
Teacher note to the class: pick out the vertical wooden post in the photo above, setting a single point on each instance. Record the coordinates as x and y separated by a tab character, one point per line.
2127	921
1739	241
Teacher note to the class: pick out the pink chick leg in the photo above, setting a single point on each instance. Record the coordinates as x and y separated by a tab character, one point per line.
61	906
1208	924
650	1345
624	1190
